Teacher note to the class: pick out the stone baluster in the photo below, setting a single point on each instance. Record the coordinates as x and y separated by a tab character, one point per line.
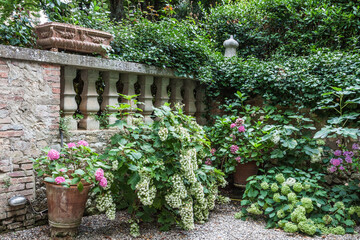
230	47
128	80
68	103
161	96
89	104
110	93
200	104
146	97
176	85
189	98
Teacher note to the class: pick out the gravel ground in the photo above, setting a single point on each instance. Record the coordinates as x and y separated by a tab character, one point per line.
221	225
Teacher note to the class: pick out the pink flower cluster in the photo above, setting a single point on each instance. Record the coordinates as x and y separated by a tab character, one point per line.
83	143
208	162
53	154
234	149
59	180
239	124
99	176
71	145
212	151
338	163
238	159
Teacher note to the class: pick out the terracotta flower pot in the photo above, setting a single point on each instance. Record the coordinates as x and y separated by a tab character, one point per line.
243	171
65	208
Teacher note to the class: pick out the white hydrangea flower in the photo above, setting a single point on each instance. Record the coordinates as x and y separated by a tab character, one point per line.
145	191
275	138
115	165
163	133
290	181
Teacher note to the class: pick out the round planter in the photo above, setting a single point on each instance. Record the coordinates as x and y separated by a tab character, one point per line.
65	208
243	171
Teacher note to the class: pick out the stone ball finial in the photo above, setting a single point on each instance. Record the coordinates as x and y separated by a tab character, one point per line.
230	47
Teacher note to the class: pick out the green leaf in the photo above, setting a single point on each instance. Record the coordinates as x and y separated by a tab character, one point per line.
80	186
269	210
49	179
75	181
79	172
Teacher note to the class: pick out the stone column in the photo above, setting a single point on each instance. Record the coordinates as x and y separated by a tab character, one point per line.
200	104
189	98
110	93
146	97
161	96
68	104
176	85
128	80
89	104
230	47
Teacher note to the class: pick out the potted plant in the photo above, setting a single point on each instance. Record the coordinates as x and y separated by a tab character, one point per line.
69	175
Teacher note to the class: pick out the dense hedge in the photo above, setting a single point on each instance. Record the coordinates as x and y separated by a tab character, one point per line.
263	27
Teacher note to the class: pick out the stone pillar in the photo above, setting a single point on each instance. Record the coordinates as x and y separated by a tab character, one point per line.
176	85
161	96
89	104
230	47
200	104
129	80
146	97
189	99
68	104
110	93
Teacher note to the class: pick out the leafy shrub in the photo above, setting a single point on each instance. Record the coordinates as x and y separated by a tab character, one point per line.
159	171
296	201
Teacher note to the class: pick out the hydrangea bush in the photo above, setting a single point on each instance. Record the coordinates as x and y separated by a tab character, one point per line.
75	164
295	201
160	171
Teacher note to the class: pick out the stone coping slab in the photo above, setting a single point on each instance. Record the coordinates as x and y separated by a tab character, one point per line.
83	62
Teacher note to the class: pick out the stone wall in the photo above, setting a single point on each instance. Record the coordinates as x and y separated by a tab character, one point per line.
29	115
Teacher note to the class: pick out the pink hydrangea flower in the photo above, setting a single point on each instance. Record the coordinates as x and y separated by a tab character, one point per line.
208	162
241	128
337	153
83	143
62	170
233	137
59	180
103	182
336	161
232	125
213	150
341	167
239	121
99	174
238	159
348	159
355	146
71	145
53	154
332	169
348	153
233	149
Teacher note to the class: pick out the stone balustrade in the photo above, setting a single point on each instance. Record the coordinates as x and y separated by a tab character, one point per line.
153	91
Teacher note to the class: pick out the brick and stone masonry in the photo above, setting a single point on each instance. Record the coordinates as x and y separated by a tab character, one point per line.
29	121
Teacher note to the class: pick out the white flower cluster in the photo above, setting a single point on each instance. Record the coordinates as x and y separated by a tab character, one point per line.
212	197
188	163
106	203
145	191
134	229
275	138
315	158
174	199
110	179
163	133
115	165
290	181
187	215
183	133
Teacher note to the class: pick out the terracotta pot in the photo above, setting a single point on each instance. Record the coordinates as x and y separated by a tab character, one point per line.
65	36
243	171
65	208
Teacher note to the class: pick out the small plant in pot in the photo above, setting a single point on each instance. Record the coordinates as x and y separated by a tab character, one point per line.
69	175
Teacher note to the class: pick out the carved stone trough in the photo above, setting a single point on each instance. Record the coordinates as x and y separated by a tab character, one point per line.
64	36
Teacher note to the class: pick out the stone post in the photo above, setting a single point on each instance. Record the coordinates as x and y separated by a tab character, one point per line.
200	104
189	99
230	47
146	97
68	104
110	93
161	96
128	80
176	85
89	104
